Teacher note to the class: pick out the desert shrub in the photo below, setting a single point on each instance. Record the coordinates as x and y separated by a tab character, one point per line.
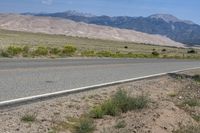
163	50
172	94
126	47
196	117
85	125
69	50
192	102
25	51
41	51
138	102
131	55
196	78
97	112
110	108
54	51
155	53
191	51
120	124
119	55
14	50
104	54
28	118
89	53
165	56
120	102
4	53
126	103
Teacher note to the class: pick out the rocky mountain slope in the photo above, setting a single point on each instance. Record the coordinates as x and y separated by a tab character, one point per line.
163	24
51	25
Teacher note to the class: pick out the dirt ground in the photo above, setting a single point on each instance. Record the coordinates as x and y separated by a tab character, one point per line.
165	113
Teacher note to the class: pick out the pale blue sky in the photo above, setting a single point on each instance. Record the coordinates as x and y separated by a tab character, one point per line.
184	9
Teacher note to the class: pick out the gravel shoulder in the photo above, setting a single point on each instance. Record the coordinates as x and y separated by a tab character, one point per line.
167	110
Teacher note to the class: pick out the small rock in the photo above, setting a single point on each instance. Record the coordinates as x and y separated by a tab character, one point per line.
180	97
144	113
165	128
134	131
173	108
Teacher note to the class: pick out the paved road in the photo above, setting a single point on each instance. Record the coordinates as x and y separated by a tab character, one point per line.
22	78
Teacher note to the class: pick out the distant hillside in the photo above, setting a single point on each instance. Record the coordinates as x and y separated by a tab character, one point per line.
163	24
51	25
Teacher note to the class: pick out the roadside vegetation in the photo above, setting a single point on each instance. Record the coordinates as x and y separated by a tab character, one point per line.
192	102
70	50
28	118
120	124
120	102
33	45
40	51
188	99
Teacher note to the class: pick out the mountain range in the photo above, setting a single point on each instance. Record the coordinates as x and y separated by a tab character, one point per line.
60	26
182	31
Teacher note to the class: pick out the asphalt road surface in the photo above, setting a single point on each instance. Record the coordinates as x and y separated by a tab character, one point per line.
24	78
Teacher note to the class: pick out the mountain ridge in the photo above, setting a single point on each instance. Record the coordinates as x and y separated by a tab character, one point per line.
169	18
183	31
61	26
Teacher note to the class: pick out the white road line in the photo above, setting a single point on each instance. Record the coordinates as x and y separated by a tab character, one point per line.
25	99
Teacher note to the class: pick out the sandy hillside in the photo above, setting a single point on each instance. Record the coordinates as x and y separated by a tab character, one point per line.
70	28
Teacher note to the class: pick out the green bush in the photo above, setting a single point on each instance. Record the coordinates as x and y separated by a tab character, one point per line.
89	53
97	112
104	54
126	103
196	78
41	51
28	118
110	108
191	51
155	53
138	102
4	54
120	102
192	102
25	49
123	55
85	125
126	47
196	117
54	51
14	50
69	50
120	124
